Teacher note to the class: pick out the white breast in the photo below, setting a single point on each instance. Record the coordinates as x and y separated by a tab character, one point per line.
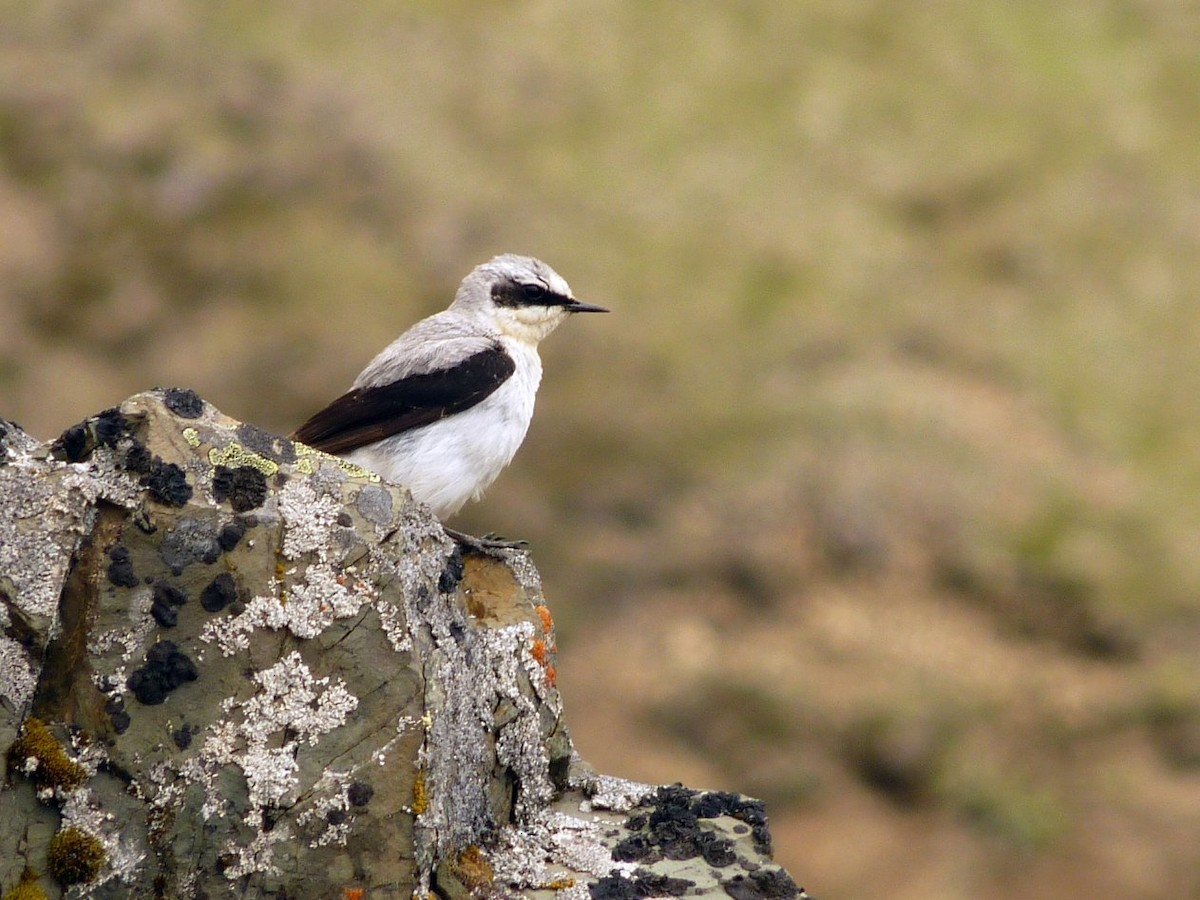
454	460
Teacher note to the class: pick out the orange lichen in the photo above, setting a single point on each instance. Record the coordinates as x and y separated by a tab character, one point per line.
538	651
353	893
39	756
420	797
551	676
547	620
473	868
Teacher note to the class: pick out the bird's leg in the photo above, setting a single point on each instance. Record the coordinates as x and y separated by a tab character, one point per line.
488	545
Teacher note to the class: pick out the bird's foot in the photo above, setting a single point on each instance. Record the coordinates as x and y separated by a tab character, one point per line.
488	545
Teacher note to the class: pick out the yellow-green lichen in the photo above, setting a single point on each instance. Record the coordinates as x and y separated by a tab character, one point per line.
308	458
74	856
39	756
192	436
234	454
27	888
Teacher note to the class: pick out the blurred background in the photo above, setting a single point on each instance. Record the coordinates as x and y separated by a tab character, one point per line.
875	495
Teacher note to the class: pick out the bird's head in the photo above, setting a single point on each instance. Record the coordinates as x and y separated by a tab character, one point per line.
520	296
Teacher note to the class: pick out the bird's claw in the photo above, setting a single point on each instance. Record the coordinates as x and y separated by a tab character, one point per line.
500	541
488	545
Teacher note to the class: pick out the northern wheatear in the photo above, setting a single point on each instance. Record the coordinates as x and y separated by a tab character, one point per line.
443	409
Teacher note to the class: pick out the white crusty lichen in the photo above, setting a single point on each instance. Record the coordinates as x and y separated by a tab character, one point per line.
37	536
395	626
123	854
609	792
291	707
305	608
330	809
48	506
309	517
291	697
133	639
259	854
520	744
485	694
101	477
18	678
552	847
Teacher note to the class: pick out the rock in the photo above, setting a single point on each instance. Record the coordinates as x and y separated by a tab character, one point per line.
232	665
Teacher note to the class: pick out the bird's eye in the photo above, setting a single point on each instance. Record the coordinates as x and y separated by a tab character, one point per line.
533	292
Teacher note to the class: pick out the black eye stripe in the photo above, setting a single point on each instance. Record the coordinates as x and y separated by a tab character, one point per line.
517	293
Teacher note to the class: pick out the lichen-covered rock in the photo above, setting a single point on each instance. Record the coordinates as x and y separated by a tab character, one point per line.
233	666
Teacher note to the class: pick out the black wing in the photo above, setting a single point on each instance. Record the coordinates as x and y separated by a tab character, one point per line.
366	415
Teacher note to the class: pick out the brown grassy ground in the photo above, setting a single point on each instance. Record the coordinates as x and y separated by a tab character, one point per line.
875	496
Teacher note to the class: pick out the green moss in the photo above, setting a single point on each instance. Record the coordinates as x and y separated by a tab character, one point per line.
75	856
39	756
27	888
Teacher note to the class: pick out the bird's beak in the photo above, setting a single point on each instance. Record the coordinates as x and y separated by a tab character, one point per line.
576	306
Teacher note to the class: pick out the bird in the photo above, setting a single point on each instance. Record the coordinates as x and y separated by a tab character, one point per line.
443	409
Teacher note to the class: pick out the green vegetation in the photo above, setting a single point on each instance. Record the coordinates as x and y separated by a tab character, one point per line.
27	888
898	409
39	756
74	856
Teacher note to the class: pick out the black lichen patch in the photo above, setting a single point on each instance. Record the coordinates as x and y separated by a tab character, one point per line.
120	567
117	715
765	884
359	793
166	668
191	540
39	756
266	444
711	804
672	829
101	430
166	483
220	592
230	535
108	426
137	458
183	402
452	573
72	444
167	597
245	487
165	615
616	886
182	737
335	816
